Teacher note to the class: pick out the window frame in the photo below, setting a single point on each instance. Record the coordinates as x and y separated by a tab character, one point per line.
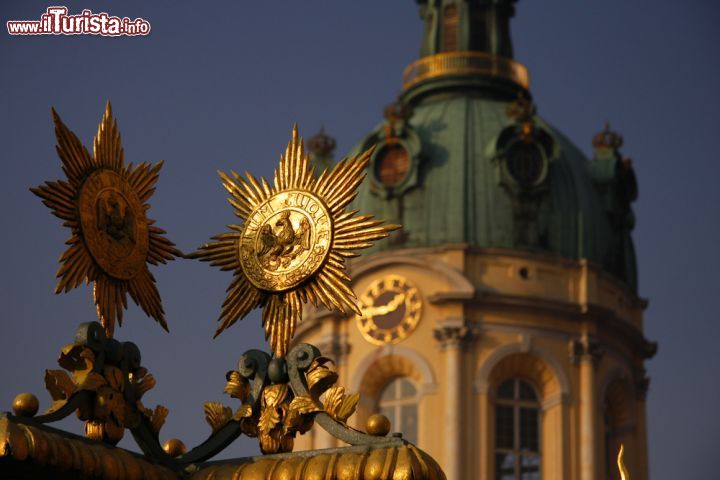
398	402
517	404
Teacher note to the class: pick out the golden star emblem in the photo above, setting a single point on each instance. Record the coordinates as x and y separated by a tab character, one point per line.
104	204
293	242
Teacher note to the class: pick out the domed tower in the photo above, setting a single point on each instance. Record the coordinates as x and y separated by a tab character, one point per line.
501	328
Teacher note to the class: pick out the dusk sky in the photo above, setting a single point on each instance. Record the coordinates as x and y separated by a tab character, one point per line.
218	85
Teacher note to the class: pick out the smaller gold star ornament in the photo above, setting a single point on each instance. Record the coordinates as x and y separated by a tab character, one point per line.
104	204
292	245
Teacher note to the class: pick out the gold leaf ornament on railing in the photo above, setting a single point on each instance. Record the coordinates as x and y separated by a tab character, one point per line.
282	415
217	415
107	407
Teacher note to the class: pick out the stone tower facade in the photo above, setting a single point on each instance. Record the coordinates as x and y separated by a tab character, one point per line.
501	329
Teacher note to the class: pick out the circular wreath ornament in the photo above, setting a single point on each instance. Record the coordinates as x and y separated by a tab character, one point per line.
525	163
392	165
292	245
104	203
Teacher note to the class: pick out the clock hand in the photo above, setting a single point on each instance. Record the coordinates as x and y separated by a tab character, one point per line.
373	311
370	312
398	300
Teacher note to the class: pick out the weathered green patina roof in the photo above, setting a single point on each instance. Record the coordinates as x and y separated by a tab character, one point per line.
458	126
459	198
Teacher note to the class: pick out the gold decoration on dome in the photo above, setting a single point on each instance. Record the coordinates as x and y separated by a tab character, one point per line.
390	310
396	115
448	64
607	138
523	110
293	243
282	414
104	203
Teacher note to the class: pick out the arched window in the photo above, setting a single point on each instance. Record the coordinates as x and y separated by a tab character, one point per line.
398	402
517	431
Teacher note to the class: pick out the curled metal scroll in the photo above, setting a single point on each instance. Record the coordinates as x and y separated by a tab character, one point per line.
299	360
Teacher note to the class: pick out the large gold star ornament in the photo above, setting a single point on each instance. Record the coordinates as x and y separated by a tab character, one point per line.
103	202
291	247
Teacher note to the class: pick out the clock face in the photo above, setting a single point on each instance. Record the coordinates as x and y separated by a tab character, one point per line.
391	308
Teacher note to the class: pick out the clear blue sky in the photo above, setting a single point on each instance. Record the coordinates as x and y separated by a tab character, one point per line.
218	85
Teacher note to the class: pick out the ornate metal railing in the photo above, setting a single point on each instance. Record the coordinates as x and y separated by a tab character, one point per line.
290	249
465	63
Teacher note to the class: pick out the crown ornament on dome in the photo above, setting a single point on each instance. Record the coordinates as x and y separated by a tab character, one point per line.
321	144
522	108
607	139
396	115
397	111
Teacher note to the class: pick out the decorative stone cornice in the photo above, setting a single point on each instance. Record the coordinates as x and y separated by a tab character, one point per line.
585	348
453	333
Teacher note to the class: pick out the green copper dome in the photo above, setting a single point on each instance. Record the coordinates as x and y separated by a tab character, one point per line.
463	158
